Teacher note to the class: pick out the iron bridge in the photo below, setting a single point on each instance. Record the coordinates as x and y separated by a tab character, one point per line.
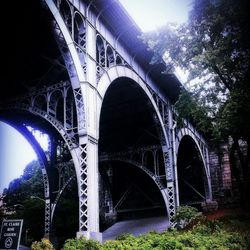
109	114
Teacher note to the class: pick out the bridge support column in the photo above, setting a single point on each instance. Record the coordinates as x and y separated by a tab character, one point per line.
170	165
89	193
89	174
170	190
209	193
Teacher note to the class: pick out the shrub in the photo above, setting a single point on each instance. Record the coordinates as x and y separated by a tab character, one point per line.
81	243
184	215
124	236
205	235
44	244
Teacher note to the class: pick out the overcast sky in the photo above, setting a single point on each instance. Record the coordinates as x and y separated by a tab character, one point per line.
15	151
150	14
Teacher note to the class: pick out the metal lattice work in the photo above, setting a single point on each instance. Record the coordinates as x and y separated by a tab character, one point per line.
79	30
59	194
157	181
83	189
136	157
106	56
164	109
76	25
64	50
169	170
69	112
16	104
29	105
171	200
80	109
44	165
170	183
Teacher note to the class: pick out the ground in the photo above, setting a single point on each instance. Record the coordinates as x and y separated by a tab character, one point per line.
226	211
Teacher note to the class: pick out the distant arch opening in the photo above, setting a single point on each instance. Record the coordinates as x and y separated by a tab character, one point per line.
191	173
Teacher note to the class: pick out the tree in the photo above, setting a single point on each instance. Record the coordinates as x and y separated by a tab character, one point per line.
20	205
20	188
17	198
214	47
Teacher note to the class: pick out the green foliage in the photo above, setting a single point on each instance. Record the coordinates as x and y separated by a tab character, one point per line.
124	236
44	244
19	189
185	214
231	119
214	48
188	106
81	243
19	205
205	235
66	219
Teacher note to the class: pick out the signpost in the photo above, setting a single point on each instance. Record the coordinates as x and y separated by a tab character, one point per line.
10	234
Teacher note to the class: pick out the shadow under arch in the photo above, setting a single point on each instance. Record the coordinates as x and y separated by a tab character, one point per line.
111	76
193	181
131	198
127	119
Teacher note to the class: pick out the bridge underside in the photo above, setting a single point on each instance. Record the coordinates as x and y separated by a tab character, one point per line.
32	58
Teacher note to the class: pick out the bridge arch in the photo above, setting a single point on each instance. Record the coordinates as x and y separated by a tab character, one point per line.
158	183
136	164
187	132
71	53
43	163
117	72
127	85
71	143
191	163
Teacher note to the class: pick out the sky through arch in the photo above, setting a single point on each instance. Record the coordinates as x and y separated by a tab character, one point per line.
15	153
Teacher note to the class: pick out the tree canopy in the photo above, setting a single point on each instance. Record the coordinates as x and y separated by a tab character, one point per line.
214	48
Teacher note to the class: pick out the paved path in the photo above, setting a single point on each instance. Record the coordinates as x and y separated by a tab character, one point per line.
136	227
21	247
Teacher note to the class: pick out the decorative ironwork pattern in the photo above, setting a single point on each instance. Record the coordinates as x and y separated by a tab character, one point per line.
69	139
111	157
64	50
168	166
83	189
47	198
59	195
171	200
80	109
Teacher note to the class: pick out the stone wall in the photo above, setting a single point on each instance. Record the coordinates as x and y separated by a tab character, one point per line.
224	186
